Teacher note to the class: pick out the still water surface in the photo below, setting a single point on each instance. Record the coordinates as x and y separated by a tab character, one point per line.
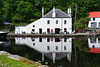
56	52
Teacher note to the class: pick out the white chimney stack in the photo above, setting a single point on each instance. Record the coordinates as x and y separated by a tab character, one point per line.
42	11
69	11
53	14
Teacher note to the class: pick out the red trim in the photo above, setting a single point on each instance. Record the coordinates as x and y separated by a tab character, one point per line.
94	14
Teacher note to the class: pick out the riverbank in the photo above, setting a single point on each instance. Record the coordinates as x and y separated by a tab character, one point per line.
9	60
55	35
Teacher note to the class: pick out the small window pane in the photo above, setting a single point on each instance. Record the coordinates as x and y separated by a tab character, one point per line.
64	47
57	39
48	39
40	39
33	44
33	39
48	48
56	21
93	19
33	30
56	47
33	25
48	21
65	22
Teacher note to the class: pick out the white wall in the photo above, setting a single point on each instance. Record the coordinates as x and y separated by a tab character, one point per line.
20	29
96	44
42	23
42	46
96	19
89	25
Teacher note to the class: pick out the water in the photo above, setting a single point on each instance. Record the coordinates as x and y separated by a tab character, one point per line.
56	52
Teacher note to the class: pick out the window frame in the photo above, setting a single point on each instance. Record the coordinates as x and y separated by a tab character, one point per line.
48	21
65	21
56	21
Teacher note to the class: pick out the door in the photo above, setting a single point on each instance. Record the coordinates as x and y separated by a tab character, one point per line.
57	30
40	31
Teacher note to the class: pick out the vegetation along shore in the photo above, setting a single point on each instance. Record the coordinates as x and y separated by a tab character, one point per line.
9	60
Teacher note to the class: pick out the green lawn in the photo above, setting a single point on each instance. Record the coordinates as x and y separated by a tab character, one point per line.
7	62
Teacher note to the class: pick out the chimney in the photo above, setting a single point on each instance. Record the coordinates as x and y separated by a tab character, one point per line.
53	14
42	11
69	11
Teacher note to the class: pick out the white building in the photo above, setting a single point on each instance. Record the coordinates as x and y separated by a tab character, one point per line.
54	48
55	21
94	45
94	42
94	20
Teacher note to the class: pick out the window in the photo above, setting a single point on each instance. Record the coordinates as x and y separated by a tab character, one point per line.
99	25
56	21
48	39
40	39
93	19
92	40
98	40
33	25
48	21
33	44
33	39
48	48
48	30
65	22
56	47
65	39
33	30
57	39
65	29
93	24
23	32
64	47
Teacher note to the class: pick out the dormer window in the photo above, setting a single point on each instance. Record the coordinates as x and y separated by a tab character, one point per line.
93	19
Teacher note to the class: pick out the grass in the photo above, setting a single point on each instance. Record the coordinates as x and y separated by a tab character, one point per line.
7	62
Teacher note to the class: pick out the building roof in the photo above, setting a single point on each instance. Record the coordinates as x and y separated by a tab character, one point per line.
59	14
94	14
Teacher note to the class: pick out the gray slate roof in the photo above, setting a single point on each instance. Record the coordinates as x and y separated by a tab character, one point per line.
59	14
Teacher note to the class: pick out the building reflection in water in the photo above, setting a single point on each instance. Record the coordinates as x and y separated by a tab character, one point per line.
54	48
94	44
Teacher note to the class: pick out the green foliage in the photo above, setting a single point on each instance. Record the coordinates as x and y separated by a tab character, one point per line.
7	62
80	26
32	20
24	10
82	23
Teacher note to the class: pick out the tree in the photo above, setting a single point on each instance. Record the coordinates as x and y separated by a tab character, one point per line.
23	12
83	22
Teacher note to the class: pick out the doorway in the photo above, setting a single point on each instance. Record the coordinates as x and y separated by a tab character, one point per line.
57	30
40	31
